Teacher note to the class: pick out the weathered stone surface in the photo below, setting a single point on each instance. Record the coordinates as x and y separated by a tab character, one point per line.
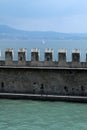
22	56
46	81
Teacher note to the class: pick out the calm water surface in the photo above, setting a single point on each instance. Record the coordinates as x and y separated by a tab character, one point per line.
36	115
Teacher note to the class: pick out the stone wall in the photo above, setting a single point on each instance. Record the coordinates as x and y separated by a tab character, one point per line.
43	77
44	81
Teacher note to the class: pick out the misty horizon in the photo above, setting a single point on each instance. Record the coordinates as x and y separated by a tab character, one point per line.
68	16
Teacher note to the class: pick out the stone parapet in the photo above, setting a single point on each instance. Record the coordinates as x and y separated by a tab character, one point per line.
48	58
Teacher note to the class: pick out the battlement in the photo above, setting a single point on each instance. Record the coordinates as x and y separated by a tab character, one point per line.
35	54
48	58
9	53
76	55
48	54
62	55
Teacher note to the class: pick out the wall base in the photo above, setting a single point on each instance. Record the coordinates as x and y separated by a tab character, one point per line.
79	99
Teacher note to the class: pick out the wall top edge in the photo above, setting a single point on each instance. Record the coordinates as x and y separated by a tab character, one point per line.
35	50
48	50
9	50
61	50
22	50
75	51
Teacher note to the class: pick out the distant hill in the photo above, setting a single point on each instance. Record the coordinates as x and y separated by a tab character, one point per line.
9	33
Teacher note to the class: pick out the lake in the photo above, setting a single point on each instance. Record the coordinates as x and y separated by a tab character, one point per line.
37	115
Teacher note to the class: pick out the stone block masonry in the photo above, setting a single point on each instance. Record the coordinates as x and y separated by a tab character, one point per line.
43	77
43	81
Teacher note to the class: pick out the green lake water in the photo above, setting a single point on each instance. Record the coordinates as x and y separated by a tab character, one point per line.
37	115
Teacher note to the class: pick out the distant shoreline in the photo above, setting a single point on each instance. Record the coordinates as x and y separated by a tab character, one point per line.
9	33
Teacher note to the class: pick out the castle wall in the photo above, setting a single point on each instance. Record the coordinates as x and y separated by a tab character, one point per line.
43	81
43	77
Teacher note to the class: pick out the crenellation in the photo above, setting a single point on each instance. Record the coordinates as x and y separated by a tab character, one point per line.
48	58
9	53
35	54
48	54
22	56
76	55
62	57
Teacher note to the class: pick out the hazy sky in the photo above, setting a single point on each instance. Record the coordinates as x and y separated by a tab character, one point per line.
45	15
